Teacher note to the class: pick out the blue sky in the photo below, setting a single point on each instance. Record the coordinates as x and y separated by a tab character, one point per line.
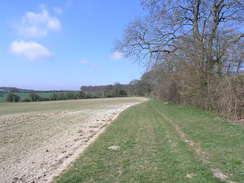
63	44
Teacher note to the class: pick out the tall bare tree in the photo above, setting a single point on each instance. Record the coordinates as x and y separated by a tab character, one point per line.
170	22
195	43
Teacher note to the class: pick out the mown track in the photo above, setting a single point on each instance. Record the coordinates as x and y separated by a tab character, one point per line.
156	148
196	148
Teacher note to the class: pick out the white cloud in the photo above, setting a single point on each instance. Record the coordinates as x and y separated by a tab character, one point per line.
117	55
30	49
38	24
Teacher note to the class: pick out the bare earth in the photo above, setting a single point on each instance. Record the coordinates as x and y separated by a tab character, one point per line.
39	140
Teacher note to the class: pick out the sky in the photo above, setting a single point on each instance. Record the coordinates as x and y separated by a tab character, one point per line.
64	44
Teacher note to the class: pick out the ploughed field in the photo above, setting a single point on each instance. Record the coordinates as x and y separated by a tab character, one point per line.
39	140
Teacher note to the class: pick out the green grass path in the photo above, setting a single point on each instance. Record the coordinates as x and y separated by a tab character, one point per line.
152	150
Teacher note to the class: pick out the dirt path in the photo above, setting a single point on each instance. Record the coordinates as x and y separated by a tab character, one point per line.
37	146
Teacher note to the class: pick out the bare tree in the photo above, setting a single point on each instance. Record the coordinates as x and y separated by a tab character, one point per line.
170	22
192	43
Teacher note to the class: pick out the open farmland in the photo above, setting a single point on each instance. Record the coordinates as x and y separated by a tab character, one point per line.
38	140
2	99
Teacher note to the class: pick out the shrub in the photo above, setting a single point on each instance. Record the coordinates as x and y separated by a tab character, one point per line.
82	94
54	96
230	97
34	97
11	97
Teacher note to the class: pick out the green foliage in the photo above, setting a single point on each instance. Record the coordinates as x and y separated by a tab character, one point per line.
82	94
70	95
61	95
53	96
11	97
34	97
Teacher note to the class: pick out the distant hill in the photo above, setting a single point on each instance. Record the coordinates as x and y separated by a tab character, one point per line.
14	89
21	90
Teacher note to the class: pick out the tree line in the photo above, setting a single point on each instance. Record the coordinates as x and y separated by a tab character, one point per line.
193	50
116	90
35	97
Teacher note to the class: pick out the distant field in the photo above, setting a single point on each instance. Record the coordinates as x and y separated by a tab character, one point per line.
39	138
2	99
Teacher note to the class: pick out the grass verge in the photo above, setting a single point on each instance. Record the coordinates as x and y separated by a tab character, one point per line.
152	150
